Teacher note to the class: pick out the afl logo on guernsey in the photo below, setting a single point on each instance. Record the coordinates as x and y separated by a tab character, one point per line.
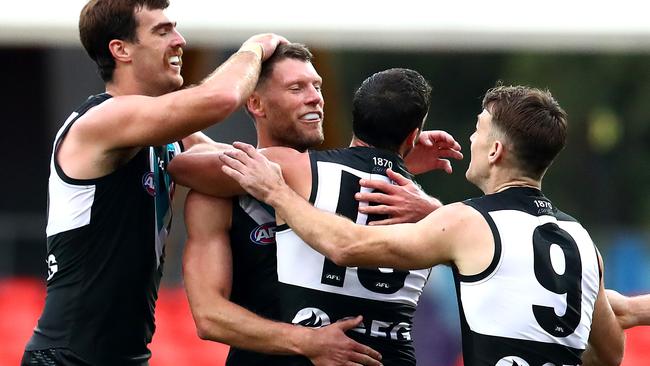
264	234
148	184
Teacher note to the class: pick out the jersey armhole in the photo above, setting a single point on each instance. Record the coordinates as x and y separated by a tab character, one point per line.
496	258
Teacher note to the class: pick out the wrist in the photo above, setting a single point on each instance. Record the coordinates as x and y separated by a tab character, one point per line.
298	340
253	47
278	195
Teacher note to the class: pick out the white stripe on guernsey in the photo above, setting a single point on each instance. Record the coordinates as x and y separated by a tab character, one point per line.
501	304
72	116
68	204
255	210
329	185
300	265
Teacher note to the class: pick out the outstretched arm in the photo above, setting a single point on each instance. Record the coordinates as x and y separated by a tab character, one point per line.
630	311
200	168
207	271
408	246
138	120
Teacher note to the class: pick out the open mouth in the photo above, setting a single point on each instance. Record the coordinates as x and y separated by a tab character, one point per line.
312	117
175	60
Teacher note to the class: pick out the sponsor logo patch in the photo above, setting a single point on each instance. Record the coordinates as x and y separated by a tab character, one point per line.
311	317
264	234
148	184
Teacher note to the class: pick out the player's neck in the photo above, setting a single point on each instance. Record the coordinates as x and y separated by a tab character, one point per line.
517	182
356	142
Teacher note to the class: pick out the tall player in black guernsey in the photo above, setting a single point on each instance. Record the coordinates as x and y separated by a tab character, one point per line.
389	111
529	278
109	194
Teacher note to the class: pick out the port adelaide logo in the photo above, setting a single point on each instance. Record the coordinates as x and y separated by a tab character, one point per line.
264	234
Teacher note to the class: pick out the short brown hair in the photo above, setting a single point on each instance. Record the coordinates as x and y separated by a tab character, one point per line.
532	120
296	51
101	21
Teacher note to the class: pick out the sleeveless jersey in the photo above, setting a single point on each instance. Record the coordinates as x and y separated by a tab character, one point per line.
255	279
533	305
105	240
316	292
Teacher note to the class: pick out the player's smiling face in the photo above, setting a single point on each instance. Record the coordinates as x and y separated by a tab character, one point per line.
157	53
292	104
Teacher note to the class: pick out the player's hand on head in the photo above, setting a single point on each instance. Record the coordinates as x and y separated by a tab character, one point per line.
253	171
268	41
432	151
329	346
402	201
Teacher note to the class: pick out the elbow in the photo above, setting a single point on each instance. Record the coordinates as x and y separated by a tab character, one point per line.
178	171
348	247
341	257
225	102
206	329
203	328
347	254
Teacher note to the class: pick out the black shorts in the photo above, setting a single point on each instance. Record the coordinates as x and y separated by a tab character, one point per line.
52	357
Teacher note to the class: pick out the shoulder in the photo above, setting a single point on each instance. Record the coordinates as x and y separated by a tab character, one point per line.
456	222
295	166
457	213
288	158
280	153
467	234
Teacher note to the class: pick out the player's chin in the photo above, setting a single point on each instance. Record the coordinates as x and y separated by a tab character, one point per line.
176	82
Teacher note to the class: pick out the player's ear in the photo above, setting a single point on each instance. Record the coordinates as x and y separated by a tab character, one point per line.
120	50
255	106
412	138
496	151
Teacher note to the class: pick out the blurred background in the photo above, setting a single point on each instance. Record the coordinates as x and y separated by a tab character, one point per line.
595	60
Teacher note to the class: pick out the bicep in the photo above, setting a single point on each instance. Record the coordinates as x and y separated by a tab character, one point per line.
138	120
414	245
207	259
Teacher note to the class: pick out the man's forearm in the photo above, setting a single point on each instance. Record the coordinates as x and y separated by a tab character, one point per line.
639	310
327	233
231	324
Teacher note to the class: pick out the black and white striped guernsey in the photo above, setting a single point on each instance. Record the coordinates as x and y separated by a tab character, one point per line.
533	306
105	254
316	292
